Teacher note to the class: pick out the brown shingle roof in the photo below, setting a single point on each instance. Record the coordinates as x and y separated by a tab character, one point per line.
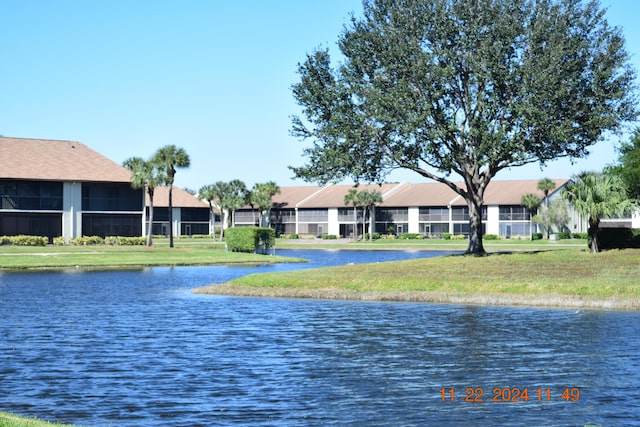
333	195
436	194
53	160
422	194
290	197
180	198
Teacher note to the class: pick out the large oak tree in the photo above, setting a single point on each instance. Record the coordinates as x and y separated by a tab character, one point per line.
458	90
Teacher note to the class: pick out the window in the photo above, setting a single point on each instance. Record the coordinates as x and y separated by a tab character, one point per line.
313	215
111	225
392	214
346	214
434	214
514	213
111	197
30	195
195	214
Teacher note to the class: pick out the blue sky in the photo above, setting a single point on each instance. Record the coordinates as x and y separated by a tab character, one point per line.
126	77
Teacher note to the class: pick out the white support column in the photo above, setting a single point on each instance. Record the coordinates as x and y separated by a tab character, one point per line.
177	220
492	225
332	219
413	219
71	210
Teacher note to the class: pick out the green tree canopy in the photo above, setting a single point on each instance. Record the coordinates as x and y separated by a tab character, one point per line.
554	214
167	159
546	185
215	195
352	198
596	196
460	90
628	166
369	198
261	195
145	174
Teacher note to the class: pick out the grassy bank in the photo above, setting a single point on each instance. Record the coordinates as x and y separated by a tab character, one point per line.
10	420
23	257
563	278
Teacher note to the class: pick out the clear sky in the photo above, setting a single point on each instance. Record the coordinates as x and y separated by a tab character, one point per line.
126	77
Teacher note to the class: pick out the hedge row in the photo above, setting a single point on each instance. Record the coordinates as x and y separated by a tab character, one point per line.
23	240
619	238
250	239
97	240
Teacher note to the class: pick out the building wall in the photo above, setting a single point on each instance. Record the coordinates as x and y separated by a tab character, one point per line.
69	209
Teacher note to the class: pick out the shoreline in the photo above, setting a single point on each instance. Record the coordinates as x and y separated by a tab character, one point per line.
507	300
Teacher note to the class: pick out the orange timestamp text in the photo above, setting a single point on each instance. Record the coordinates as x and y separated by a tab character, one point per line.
510	394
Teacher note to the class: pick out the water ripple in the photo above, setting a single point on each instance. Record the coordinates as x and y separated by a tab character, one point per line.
136	348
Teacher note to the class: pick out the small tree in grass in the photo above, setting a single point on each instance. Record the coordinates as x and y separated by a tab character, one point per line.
532	202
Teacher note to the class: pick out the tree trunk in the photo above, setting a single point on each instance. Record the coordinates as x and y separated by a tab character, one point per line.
170	216
150	226
224	214
475	226
364	222
594	227
372	222
213	220
355	224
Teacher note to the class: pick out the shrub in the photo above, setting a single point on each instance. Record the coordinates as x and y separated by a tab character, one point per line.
294	236
86	241
491	237
536	236
563	235
24	240
376	236
410	236
250	239
59	241
329	237
446	236
581	235
125	241
458	237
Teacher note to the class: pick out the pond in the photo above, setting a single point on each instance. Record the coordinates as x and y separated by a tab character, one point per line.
133	348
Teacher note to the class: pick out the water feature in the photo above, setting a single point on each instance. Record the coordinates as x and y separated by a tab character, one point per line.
138	348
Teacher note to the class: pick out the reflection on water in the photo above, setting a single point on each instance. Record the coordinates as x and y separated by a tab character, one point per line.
137	348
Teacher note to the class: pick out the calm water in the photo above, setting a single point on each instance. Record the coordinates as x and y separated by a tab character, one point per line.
137	348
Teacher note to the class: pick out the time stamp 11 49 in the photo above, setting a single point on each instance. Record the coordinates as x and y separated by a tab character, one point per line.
510	394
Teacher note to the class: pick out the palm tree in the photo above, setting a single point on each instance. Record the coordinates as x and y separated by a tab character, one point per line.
546	185
531	202
595	196
167	159
262	197
369	199
213	196
145	175
352	197
237	197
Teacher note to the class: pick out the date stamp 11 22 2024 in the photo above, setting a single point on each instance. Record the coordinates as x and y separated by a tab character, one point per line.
510	394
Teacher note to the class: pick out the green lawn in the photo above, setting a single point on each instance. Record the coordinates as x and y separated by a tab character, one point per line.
10	420
562	277
432	244
103	256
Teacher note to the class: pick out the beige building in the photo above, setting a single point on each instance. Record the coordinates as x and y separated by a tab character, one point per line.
64	188
430	209
190	215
